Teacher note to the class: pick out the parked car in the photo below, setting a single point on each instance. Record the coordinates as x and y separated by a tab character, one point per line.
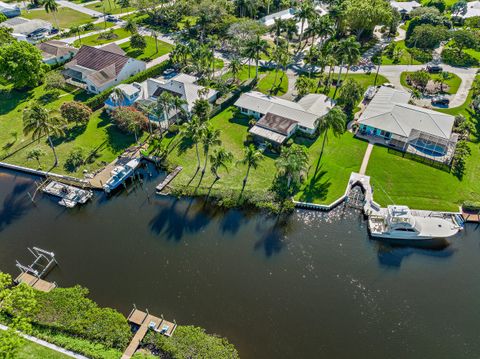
169	73
433	69
54	31
440	101
111	18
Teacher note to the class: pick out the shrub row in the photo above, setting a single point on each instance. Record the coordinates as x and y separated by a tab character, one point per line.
453	58
471	206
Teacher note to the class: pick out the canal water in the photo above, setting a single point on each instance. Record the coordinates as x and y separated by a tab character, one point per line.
312	285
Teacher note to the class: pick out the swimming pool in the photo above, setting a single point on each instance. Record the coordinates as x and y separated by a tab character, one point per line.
429	148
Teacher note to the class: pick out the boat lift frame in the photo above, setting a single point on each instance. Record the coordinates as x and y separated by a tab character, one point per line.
37	268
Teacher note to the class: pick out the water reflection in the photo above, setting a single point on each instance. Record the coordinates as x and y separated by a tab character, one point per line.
273	239
393	256
15	205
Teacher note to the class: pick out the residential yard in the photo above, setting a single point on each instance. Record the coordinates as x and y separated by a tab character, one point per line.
453	82
273	84
460	110
97	39
109	7
150	52
404	59
100	134
32	350
475	54
66	17
364	80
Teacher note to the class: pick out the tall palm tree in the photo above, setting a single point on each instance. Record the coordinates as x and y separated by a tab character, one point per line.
235	67
348	51
311	58
164	106
305	13
131	26
257	46
178	104
334	121
219	158
51	6
193	130
277	29
320	26
210	138
292	163
76	30
154	34
281	57
38	122
251	159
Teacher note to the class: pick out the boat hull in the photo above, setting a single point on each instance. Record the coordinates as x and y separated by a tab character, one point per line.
431	243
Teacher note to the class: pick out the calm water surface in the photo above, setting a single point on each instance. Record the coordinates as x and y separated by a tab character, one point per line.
308	286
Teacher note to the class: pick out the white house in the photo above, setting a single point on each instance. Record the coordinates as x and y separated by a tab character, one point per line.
473	9
9	10
279	119
405	7
97	69
288	14
56	52
390	118
145	94
28	30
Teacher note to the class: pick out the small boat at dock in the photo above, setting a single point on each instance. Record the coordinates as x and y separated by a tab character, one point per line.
120	174
70	195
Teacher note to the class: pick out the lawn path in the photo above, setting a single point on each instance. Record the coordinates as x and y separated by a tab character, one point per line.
366	158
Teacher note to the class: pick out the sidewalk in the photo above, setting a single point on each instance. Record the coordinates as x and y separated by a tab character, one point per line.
79	8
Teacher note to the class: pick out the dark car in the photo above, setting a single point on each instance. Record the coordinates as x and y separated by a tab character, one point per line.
440	101
433	69
54	31
111	18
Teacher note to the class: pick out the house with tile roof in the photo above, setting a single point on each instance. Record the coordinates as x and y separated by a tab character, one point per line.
55	52
390	119
97	69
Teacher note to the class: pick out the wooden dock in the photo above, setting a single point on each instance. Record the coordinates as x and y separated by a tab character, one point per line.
169	179
146	321
471	217
35	282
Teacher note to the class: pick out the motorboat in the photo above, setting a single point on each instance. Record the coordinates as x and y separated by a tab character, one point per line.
120	174
400	225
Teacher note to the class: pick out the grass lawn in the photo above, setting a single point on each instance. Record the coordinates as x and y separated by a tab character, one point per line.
66	17
267	84
364	80
453	82
460	110
32	350
404	59
327	182
149	53
109	7
473	53
95	40
407	182
99	134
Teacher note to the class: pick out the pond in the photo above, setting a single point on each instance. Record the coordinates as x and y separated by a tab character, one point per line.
309	285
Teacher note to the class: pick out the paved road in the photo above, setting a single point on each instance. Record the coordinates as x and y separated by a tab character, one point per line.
79	8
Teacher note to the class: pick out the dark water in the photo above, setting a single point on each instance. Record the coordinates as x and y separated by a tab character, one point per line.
310	286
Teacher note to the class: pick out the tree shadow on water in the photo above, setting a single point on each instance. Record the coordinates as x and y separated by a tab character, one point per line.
272	240
14	206
392	256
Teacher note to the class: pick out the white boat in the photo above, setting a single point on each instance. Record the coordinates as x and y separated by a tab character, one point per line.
120	174
400	225
70	195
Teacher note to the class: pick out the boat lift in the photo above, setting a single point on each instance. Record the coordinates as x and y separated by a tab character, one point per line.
44	261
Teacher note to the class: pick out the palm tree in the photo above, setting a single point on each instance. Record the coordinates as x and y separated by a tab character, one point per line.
154	34
164	106
118	97
292	163
51	6
304	13
235	67
76	30
311	58
257	46
321	26
35	154
219	158
131	26
178	104
193	130
348	51
38	122
251	159
210	138
277	28
334	121
444	76
281	57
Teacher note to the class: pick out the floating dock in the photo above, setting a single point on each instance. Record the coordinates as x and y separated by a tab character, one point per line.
35	282
69	196
168	179
146	321
471	217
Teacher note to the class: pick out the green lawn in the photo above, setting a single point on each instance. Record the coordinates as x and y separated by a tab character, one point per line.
407	182
473	53
66	17
99	134
109	7
460	110
328	176
404	59
150	52
364	80
453	82
95	40
269	85
32	350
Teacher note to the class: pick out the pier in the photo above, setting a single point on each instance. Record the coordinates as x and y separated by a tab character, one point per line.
146	321
33	274
168	179
471	217
35	282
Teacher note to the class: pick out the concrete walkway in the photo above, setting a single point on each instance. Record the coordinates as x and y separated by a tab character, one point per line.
79	8
366	158
47	344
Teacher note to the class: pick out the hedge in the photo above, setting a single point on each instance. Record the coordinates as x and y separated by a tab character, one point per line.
470	206
97	101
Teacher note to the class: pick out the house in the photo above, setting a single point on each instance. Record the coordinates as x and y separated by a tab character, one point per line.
405	7
28	30
391	120
145	94
56	52
97	69
9	10
473	9
288	14
279	119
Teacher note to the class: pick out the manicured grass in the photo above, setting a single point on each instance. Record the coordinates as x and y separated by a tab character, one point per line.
99	134
328	175
475	54
95	40
66	17
268	84
453	82
364	80
460	110
32	350
150	52
407	182
404	59
109	7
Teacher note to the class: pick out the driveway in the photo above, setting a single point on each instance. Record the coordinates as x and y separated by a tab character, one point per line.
79	8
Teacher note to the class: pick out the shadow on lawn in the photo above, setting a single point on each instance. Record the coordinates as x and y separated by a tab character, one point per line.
316	188
70	135
10	99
